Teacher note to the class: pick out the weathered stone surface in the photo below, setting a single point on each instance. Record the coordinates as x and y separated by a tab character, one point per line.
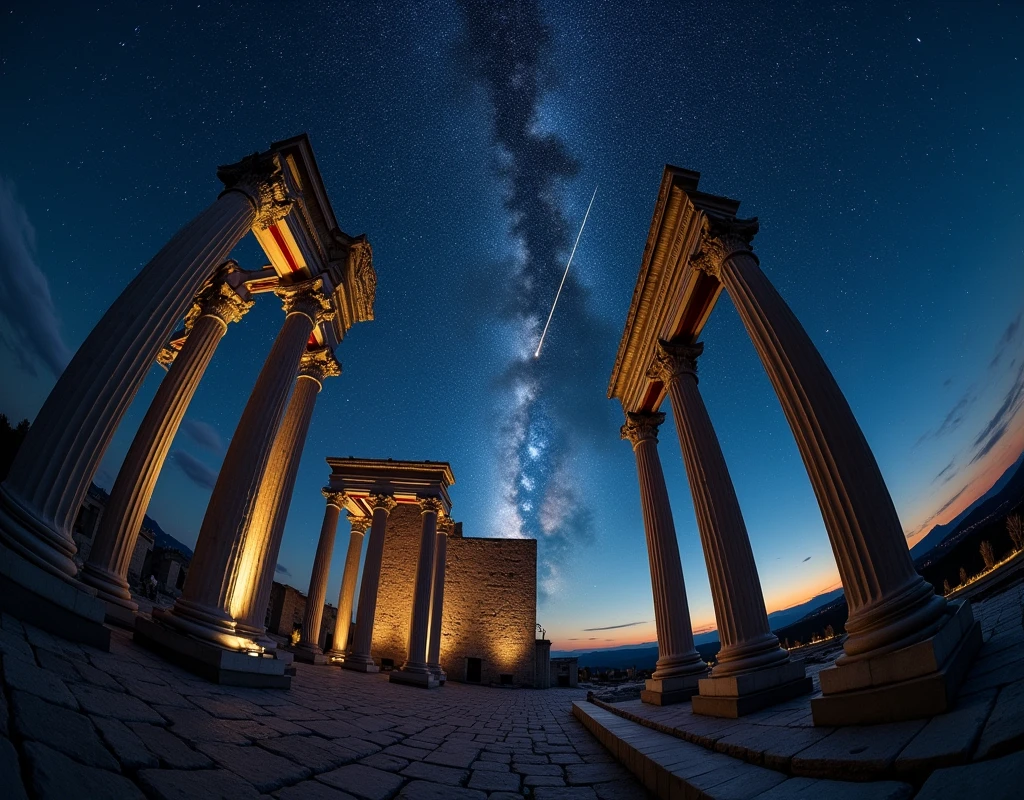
435	773
453	756
318	754
54	776
128	748
312	790
20	674
364	782
333	728
565	793
195	726
625	789
209	784
10	772
423	790
998	779
488	781
1004	731
262	769
171	750
57	727
849	754
104	703
947	739
815	789
595	773
385	762
13	645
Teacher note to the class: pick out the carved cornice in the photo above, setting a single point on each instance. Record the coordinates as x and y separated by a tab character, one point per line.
319	364
385	501
641	426
307	298
334	497
166	357
673	360
260	178
721	238
360	525
430	504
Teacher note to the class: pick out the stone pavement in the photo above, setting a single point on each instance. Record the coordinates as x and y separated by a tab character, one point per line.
78	722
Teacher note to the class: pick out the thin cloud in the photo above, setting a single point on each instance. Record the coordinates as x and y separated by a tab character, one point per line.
195	470
954	419
999	424
1006	341
25	302
281	569
806	560
204	435
613	627
946	471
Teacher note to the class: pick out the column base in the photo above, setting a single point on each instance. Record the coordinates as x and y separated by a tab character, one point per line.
733	696
310	655
63	607
359	663
668	691
216	664
335	657
425	680
440	674
910	683
120	615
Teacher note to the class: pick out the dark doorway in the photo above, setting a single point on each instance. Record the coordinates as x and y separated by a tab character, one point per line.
474	669
563	680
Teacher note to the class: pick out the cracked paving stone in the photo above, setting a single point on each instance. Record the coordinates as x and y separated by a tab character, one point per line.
424	790
54	776
10	772
565	793
318	754
435	773
540	769
14	646
312	790
364	782
262	769
104	703
172	751
42	683
195	725
385	762
69	732
129	749
488	781
209	784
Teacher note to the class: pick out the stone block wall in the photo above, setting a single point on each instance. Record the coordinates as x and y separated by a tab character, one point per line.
490	602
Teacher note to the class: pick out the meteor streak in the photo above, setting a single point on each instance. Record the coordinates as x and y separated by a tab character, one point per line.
564	276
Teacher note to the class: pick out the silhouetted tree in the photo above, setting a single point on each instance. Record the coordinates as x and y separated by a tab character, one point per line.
11	438
963	576
987	554
1015	527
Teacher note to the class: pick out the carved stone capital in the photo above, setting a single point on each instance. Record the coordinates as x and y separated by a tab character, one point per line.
364	279
319	364
673	360
166	357
260	178
720	239
641	426
334	497
359	524
446	525
307	298
385	501
430	504
220	300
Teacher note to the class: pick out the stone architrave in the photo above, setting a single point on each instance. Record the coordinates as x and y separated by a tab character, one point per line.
346	597
308	648
904	642
49	478
445	527
266	529
679	666
107	568
222	554
753	671
416	671
359	658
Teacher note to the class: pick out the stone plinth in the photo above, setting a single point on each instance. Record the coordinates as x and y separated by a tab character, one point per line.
733	696
217	664
668	691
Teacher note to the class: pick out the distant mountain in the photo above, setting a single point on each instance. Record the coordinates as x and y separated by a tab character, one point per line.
938	534
787	616
160	539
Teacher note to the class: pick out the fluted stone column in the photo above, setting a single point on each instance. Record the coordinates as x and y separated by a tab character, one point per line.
752	667
309	646
360	658
415	670
52	472
679	665
107	568
222	554
266	528
444	529
891	607
347	595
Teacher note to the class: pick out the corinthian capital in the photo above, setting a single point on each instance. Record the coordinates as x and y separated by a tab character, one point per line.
307	298
261	179
641	426
446	525
166	357
385	501
334	497
359	524
319	364
721	238
220	300
673	360
430	504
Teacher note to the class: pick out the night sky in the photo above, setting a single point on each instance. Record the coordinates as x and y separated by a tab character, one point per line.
881	145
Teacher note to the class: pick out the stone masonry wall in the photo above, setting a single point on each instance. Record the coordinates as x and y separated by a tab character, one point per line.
490	608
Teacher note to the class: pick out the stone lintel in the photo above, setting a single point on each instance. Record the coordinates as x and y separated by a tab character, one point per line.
916	698
405	481
66	608
425	680
668	691
216	664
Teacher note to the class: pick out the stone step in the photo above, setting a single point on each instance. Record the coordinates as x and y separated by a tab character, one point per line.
673	769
